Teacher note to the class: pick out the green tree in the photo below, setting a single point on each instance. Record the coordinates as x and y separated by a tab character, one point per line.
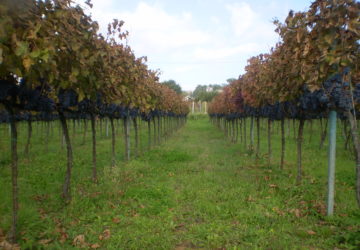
173	85
230	80
206	93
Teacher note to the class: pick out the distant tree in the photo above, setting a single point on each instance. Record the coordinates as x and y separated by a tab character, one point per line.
230	80
173	85
206	93
198	93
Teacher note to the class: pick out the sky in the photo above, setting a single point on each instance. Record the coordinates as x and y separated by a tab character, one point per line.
197	42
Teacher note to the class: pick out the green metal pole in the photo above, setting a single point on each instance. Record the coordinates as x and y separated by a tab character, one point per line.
331	162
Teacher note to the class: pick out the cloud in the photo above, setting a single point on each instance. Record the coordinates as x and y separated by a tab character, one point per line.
152	29
192	47
186	68
226	52
242	17
248	25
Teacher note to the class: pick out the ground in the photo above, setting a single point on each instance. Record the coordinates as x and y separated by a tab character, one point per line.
195	191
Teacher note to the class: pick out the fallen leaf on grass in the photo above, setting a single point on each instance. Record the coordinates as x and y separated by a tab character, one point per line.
79	241
63	237
310	232
278	211
319	206
296	212
42	213
93	195
45	242
7	246
250	198
112	205
322	223
95	246
116	220
41	197
105	235
273	185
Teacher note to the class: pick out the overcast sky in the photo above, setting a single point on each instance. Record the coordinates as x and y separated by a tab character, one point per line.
197	41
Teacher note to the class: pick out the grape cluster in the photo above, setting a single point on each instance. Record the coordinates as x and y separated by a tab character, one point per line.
338	92
8	89
67	98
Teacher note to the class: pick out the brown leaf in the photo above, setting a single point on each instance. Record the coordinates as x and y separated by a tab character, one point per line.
116	220
93	195
27	62
7	246
63	237
45	242
112	205
95	246
79	240
310	232
273	185
250	198
105	235
297	212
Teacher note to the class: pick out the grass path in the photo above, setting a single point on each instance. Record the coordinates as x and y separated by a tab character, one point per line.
200	192
194	191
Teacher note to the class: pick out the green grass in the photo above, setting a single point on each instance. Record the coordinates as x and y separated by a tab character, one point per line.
196	190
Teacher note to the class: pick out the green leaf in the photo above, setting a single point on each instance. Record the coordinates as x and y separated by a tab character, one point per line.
45	55
21	48
35	54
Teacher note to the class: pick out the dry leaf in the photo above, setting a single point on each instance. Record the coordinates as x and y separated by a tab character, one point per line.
116	220
273	185
95	246
45	241
79	240
7	246
250	198
63	237
310	232
105	235
297	212
93	195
